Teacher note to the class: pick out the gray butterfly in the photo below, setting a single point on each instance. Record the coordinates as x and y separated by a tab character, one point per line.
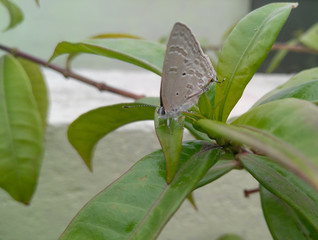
187	73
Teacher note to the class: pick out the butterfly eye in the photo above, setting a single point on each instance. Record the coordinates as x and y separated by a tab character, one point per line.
177	93
183	74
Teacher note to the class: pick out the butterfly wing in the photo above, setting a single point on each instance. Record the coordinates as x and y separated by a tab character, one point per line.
187	71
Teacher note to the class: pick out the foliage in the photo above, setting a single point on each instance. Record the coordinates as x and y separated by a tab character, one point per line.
276	141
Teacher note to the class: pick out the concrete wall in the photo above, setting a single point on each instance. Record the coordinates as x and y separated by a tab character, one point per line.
62	20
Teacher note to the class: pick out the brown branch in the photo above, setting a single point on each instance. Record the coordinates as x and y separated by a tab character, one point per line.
293	48
275	47
247	193
66	73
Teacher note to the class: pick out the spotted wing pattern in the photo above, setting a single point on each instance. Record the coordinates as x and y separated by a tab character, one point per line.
187	71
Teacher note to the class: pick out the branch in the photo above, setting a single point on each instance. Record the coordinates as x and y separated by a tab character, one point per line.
275	47
66	73
293	48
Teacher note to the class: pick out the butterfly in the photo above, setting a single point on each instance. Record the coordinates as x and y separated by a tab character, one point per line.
187	73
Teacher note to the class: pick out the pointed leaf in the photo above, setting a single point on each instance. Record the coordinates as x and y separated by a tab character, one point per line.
90	127
21	135
221	168
284	184
205	106
145	54
170	132
302	85
270	130
310	37
100	36
244	51
283	221
38	85
16	15
140	203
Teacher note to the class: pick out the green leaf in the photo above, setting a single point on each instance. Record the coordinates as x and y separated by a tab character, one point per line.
38	85
274	130
310	37
152	101
16	15
244	51
283	221
145	54
285	185
169	133
279	56
21	133
299	86
205	106
100	36
221	168
90	127
305	91
140	203
194	132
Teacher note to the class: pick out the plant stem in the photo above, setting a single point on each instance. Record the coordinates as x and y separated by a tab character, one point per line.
69	74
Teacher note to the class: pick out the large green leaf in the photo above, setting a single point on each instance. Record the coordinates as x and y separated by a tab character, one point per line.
243	52
100	36
284	184
38	87
310	37
21	133
140	203
221	168
146	54
90	127
303	85
283	221
285	130
16	15
306	91
169	133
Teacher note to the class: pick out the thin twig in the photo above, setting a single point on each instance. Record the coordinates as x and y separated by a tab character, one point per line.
275	47
247	193
69	74
293	48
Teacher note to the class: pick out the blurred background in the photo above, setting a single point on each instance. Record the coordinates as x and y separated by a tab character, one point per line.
65	184
66	20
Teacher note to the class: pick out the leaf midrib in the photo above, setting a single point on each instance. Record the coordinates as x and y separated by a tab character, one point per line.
228	86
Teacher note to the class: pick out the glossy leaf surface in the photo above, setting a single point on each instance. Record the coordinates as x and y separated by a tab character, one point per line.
169	133
140	203
145	54
221	168
283	221
270	130
90	127
243	52
303	86
284	184
21	134
100	36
